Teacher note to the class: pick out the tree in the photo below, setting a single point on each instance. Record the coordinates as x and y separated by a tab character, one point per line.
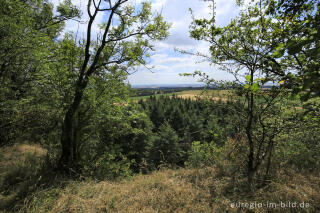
243	49
122	138
166	148
28	30
123	45
298	42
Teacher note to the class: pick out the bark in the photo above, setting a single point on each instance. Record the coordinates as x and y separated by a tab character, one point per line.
70	132
251	168
70	136
269	160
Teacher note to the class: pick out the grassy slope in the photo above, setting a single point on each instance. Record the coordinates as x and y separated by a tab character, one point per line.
18	166
176	191
181	190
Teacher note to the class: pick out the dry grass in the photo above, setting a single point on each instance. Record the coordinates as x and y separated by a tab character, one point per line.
13	155
19	165
165	191
210	94
193	190
182	190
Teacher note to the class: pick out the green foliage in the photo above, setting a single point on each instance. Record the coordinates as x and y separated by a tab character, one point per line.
42	76
28	110
283	34
190	120
246	48
165	149
124	44
298	40
201	154
299	144
120	145
111	165
67	10
296	154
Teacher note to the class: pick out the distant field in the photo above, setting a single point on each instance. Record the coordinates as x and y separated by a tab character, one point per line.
137	98
211	94
192	94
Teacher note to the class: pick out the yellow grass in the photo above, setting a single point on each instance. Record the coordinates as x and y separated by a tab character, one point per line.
183	190
210	94
193	95
18	166
13	155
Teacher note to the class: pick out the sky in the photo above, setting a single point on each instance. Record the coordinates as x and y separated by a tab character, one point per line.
166	62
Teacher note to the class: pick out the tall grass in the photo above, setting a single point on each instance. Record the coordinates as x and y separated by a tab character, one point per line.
183	190
21	171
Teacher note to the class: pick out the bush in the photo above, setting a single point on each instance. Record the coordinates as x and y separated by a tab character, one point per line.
201	154
297	154
298	146
110	165
228	159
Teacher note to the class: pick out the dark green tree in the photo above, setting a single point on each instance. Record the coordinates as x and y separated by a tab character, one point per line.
120	142
165	149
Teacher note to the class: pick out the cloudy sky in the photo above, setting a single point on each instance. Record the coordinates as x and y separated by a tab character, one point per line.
168	63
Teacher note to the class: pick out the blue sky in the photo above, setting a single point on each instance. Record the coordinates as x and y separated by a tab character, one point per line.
168	63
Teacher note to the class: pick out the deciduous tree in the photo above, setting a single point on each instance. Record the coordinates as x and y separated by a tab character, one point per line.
243	49
123	44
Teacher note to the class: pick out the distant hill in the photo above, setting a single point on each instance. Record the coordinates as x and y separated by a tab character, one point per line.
170	86
165	86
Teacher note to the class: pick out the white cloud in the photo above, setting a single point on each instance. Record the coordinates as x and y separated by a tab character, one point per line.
80	26
168	64
225	10
158	5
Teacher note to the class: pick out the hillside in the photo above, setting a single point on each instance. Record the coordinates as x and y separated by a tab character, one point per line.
169	190
181	190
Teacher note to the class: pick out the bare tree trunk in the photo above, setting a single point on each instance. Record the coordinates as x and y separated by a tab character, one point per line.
69	138
269	160
251	168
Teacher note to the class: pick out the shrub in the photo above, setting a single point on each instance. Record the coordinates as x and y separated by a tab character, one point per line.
201	154
228	159
110	165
